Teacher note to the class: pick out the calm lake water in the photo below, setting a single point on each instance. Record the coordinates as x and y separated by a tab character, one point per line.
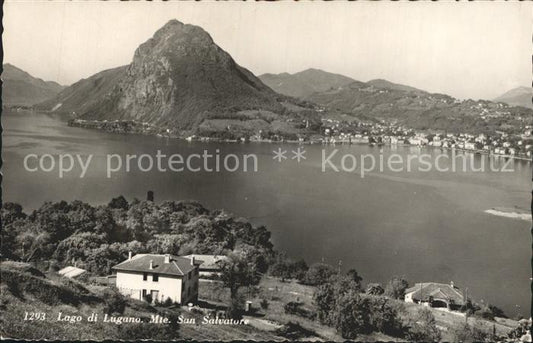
426	226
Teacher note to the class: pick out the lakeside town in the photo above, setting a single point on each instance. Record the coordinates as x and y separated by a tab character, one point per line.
500	143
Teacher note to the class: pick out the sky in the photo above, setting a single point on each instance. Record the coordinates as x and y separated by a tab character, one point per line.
467	50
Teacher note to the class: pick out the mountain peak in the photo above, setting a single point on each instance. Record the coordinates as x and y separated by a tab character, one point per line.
178	79
177	39
176	27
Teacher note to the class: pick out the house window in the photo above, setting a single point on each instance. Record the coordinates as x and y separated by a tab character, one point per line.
145	276
155	277
144	293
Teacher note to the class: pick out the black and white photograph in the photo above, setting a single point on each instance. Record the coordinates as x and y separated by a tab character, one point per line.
267	171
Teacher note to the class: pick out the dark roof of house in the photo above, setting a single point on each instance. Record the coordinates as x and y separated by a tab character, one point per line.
438	291
178	266
208	262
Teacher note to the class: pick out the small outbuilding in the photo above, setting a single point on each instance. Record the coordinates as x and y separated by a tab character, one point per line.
71	272
209	264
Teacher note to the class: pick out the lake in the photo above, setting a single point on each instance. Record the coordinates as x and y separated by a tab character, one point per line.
425	226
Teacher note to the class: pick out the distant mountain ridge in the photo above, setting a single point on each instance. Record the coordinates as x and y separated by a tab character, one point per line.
382	100
304	83
19	88
520	96
181	80
381	83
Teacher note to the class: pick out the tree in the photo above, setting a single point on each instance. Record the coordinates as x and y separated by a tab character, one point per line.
324	298
118	203
239	270
384	316
318	274
349	315
354	276
327	294
286	268
11	212
396	288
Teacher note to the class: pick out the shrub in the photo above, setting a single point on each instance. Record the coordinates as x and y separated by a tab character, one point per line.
466	333
148	298
296	308
144	330
489	312
339	304
114	302
424	328
168	302
294	331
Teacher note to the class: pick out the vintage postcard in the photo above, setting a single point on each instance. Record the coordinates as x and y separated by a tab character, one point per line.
267	171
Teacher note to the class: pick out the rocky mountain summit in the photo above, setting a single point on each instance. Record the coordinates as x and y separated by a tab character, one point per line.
180	80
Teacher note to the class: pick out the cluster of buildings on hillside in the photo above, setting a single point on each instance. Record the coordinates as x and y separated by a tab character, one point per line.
500	143
163	277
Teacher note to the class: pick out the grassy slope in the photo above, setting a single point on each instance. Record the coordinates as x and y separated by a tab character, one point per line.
38	293
24	289
279	293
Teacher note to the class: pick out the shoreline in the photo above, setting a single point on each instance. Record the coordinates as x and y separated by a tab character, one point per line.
144	129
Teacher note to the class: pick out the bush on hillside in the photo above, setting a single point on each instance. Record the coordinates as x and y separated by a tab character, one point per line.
294	331
318	274
114	301
467	333
396	288
423	328
340	305
296	308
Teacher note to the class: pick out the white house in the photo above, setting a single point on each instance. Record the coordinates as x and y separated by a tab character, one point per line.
160	276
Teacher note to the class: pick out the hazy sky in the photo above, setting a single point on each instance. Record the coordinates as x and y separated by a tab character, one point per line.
468	50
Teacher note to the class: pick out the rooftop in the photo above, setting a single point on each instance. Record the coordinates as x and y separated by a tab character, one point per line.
176	265
71	272
422	292
208	261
